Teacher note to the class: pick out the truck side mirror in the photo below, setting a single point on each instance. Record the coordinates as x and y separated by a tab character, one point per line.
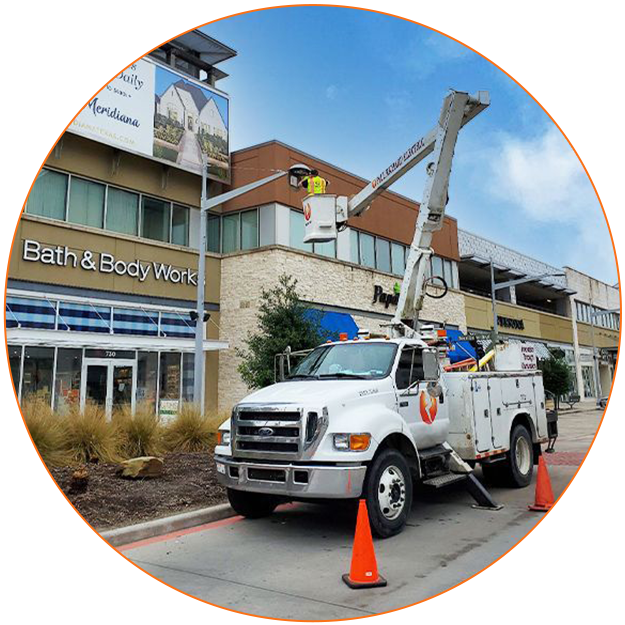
430	365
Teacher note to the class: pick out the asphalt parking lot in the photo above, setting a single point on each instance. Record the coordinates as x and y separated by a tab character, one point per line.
290	565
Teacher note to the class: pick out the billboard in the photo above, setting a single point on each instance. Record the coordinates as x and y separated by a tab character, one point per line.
154	111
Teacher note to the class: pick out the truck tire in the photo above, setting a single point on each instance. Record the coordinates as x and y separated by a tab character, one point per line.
252	505
388	492
518	465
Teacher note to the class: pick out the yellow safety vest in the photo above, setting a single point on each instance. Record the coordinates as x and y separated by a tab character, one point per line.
316	184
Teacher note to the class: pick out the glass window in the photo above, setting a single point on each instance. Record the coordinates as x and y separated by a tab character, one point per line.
448	273
249	230
296	232
353	246
122	211
188	361
325	249
15	360
398	265
383	254
86	203
147	372
48	195
213	236
180	225
170	376
367	250
231	234
37	381
67	383
437	266
155	219
409	368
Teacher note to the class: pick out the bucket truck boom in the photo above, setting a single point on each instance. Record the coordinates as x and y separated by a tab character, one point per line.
325	214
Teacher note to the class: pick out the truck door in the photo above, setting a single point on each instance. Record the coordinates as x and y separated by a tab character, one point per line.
425	416
481	413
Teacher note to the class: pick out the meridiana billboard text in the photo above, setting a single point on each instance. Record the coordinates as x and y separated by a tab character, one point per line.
159	113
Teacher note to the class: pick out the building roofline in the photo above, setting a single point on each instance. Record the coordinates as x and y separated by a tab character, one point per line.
321	160
616	286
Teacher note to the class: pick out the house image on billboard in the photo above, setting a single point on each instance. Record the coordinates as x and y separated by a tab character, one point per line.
188	105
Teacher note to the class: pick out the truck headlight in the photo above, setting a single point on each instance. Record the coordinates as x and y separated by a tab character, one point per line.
223	437
352	442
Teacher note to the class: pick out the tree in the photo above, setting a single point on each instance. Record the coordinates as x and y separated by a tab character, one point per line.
283	321
557	377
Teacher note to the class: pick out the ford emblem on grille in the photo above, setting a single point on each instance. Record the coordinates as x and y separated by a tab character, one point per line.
265	431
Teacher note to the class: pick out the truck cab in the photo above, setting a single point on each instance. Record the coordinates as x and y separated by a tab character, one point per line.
364	418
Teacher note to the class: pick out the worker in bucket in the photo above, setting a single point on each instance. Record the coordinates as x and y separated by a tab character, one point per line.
314	183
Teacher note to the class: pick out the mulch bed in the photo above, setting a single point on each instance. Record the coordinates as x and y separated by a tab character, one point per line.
188	482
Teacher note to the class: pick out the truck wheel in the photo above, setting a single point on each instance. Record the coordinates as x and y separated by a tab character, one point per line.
252	505
519	463
388	492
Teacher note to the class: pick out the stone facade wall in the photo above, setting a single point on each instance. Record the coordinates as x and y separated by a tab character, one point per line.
592	291
320	281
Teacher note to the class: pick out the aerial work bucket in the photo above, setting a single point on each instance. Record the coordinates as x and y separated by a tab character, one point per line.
319	218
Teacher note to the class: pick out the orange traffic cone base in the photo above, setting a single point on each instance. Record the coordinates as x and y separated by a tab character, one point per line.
372	584
540	508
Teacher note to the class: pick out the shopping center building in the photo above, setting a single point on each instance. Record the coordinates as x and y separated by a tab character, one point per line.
103	273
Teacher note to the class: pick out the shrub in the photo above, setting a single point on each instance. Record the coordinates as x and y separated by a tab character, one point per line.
47	431
90	436
140	434
190	431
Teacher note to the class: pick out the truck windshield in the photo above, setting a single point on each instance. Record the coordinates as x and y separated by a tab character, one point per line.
358	361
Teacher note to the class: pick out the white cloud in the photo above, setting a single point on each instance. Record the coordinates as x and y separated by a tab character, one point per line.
331	92
543	179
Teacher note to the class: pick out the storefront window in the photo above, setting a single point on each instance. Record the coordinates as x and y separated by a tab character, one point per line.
383	255
249	230
398	265
589	381
180	225
213	236
296	232
147	372
15	360
67	383
188	361
325	249
231	237
38	365
155	215
86	203
437	267
169	379
122	211
367	250
49	195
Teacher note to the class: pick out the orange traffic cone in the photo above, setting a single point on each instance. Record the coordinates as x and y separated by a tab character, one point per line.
364	570
543	499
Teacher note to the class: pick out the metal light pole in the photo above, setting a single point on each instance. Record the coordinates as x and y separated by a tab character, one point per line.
497	286
595	359
299	171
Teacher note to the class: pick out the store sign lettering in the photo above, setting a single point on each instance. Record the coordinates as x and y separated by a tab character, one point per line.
62	256
508	322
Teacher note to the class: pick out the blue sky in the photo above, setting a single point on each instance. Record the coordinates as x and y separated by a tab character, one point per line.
357	88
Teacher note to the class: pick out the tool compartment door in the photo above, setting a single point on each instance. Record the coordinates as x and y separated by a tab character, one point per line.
481	413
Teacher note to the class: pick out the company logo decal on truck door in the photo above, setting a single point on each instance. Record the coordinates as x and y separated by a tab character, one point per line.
428	406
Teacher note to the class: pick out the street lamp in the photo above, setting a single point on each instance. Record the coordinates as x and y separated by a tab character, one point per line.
497	286
595	360
299	171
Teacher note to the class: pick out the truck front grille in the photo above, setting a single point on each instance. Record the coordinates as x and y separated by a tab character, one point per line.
267	433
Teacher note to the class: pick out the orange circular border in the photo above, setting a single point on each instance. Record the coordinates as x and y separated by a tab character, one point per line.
568	568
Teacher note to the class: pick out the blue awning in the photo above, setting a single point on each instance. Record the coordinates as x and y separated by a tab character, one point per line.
459	350
334	323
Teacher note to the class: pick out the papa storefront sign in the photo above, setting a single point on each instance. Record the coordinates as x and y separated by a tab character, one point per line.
103	262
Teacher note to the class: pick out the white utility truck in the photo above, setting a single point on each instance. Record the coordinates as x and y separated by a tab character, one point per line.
372	416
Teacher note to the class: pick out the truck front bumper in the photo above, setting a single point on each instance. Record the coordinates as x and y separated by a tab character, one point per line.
290	480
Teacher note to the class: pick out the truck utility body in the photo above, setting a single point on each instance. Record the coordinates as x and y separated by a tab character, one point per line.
317	434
